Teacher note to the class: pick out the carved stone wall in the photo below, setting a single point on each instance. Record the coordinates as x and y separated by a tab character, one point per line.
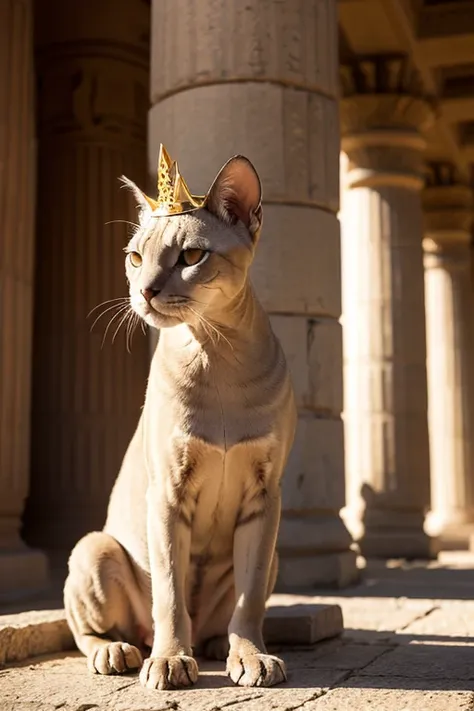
92	67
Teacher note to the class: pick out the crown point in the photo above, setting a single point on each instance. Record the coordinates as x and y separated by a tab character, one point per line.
174	197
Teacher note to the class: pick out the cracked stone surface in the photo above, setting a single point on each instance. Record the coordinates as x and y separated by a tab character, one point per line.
398	652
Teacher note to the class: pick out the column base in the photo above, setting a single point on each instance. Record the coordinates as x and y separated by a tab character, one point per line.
25	573
399	544
452	534
303	573
456	538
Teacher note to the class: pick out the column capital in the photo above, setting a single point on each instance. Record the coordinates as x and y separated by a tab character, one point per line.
93	76
383	92
448	211
384	113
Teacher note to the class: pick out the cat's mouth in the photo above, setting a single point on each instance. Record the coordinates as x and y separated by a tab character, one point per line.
162	314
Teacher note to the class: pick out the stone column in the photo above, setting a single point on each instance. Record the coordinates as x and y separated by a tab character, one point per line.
385	409
92	64
448	208
21	569
260	78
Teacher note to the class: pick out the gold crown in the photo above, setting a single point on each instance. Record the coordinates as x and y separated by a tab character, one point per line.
174	196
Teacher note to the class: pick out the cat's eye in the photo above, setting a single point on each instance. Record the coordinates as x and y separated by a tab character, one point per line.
191	257
135	259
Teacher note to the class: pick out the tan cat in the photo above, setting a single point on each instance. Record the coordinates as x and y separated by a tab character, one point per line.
187	555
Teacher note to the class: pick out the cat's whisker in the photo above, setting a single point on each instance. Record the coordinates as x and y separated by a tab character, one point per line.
122	321
131	327
108	301
119	312
203	324
138	322
135	323
212	326
111	308
219	333
126	222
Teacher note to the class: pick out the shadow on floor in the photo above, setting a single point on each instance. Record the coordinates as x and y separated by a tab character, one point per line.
413	662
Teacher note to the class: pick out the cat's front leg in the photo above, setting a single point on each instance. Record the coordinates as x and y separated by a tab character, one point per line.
171	664
248	664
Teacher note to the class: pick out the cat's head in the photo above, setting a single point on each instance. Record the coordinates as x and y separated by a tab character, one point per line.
186	266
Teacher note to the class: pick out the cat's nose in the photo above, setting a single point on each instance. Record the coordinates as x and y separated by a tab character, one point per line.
148	294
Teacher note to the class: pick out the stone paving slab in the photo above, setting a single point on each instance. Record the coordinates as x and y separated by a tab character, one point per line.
449	620
65	683
396	654
425	661
391	695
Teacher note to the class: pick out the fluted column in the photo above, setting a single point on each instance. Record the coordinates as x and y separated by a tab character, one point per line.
261	79
448	206
21	569
92	62
385	411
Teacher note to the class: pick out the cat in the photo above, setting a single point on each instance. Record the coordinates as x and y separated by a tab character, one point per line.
187	560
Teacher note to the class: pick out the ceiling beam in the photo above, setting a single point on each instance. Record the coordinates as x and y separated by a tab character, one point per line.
458	110
447	51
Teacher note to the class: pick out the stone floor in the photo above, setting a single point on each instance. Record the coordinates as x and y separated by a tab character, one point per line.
408	644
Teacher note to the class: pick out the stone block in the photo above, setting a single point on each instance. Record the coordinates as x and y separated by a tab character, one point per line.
291	137
213	42
24	572
287	623
411	543
314	476
313	348
30	634
297	264
317	533
307	572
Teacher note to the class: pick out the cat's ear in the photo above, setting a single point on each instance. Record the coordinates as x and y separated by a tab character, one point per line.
145	204
236	194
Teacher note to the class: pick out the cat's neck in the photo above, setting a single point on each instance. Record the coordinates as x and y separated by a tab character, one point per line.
240	326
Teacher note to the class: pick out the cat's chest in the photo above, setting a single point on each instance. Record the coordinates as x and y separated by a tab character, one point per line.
217	413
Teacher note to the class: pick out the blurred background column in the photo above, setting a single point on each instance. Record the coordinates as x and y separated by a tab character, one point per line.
387	458
448	206
261	78
92	65
21	569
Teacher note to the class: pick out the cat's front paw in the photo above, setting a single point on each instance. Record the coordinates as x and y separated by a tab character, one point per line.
255	669
169	672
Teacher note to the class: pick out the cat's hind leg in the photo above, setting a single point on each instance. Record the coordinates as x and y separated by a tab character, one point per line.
98	596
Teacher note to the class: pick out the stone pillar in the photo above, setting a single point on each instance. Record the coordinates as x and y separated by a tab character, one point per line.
22	570
92	64
448	208
260	78
385	409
